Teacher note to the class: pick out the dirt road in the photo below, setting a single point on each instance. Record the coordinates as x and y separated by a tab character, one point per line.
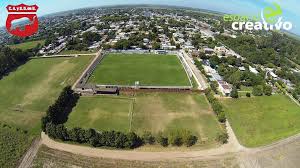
30	154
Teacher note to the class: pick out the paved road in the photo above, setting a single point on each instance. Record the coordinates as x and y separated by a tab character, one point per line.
98	54
196	72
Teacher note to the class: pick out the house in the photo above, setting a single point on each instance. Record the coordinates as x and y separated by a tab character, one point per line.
253	70
242	68
207	50
107	90
160	51
224	88
221	51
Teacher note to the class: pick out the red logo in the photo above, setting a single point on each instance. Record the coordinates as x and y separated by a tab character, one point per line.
24	13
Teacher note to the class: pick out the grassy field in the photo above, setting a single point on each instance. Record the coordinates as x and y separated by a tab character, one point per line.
50	158
27	93
126	69
28	45
151	112
102	113
262	120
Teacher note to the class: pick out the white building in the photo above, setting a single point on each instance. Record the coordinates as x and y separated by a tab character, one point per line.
253	70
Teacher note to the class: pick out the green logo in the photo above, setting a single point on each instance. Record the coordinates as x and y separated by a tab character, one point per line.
272	14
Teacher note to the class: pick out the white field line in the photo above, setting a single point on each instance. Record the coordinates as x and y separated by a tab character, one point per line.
131	108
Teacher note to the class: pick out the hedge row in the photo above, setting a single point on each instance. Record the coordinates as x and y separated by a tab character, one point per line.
97	139
216	106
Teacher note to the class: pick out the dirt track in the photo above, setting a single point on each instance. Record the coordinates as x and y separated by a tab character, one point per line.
284	153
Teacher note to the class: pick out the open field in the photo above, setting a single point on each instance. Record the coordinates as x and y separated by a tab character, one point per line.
50	158
27	92
151	112
25	95
148	69
262	120
28	45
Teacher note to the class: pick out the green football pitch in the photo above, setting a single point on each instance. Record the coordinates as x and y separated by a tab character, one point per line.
148	69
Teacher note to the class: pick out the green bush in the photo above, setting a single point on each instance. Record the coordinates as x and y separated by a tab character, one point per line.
188	138
234	93
248	94
148	138
258	90
221	117
162	140
267	90
222	137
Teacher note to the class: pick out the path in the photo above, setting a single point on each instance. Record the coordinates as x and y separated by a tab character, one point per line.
63	55
98	54
30	154
196	72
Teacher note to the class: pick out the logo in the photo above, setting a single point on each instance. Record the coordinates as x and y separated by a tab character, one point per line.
22	13
270	18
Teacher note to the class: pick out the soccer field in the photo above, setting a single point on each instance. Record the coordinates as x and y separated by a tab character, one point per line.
152	112
148	69
262	120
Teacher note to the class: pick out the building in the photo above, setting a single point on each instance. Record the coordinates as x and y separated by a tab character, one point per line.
224	88
253	70
207	50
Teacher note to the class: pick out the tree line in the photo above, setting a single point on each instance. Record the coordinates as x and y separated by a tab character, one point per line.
10	59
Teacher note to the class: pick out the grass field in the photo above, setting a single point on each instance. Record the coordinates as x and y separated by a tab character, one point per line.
26	94
126	69
262	120
151	112
28	45
102	113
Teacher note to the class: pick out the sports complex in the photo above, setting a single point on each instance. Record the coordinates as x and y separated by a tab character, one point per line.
143	91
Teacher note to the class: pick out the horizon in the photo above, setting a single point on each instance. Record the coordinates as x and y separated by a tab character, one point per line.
251	7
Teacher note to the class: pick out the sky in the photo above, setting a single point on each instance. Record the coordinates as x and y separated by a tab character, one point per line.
290	8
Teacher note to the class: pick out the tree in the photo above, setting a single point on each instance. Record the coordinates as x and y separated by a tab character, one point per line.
90	37
188	138
222	137
148	138
258	90
267	90
162	140
133	140
248	94
156	46
175	138
234	93
221	117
